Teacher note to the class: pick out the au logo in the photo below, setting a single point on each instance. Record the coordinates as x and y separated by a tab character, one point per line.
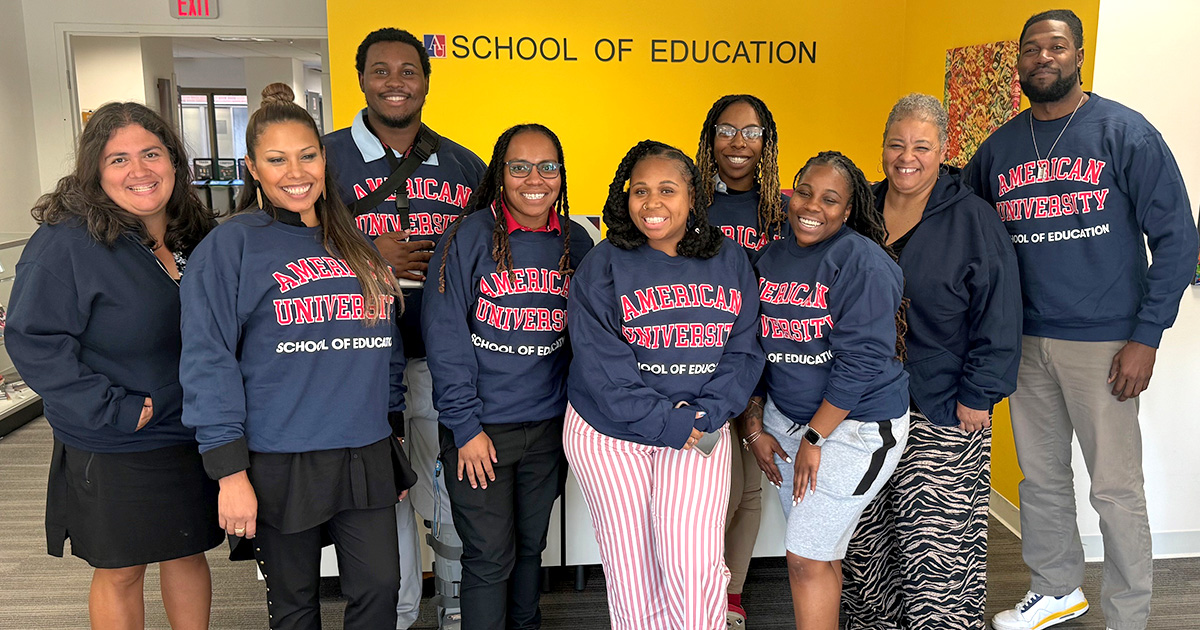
435	46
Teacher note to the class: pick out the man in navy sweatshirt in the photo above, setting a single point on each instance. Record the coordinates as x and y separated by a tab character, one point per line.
1082	184
393	73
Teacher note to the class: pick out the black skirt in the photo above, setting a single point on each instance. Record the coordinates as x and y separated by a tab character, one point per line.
129	509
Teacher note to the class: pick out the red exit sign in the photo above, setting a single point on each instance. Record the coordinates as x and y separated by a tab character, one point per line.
192	9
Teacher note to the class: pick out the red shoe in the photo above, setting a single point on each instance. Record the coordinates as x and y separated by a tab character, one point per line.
735	616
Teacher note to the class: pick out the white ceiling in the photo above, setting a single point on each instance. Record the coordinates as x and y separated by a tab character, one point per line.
306	50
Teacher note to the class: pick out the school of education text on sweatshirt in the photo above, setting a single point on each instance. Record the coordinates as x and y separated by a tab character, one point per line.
94	330
827	325
497	342
437	192
275	356
651	330
1077	219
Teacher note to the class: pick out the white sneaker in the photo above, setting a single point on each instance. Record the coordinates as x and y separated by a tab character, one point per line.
1037	612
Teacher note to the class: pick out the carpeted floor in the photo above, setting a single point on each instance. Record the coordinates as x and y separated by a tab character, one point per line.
39	592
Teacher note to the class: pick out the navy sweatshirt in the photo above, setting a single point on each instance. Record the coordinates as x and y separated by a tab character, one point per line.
964	312
437	192
497	342
275	357
736	213
651	330
828	328
94	330
1078	231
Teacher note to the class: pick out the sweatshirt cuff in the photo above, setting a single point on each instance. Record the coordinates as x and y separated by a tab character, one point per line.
396	419
226	459
1147	334
466	433
840	398
680	423
973	399
129	412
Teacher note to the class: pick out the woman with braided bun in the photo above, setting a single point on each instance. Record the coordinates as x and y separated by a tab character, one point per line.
495	329
835	417
291	375
738	158
662	320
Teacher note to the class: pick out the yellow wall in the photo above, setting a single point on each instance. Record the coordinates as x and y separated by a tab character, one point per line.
932	26
601	109
868	54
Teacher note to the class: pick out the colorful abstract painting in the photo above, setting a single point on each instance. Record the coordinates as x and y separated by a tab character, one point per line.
982	93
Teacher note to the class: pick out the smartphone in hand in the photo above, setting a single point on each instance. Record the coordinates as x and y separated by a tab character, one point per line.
707	443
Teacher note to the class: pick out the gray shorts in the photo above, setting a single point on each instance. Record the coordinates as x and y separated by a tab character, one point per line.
856	460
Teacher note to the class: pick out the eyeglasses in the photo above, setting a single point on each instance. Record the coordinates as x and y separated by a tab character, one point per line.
749	132
521	169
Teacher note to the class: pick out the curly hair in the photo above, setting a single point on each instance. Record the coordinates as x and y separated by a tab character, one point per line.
339	235
391	35
865	218
490	192
80	196
772	213
700	240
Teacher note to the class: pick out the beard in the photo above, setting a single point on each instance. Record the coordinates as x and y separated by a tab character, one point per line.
1053	92
397	122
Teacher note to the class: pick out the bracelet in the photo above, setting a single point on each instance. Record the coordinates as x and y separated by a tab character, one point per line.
749	439
756	403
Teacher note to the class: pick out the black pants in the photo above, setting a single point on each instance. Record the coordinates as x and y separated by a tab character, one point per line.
367	554
503	528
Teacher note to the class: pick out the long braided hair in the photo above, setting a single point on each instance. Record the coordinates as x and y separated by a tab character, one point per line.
865	218
490	192
772	213
700	240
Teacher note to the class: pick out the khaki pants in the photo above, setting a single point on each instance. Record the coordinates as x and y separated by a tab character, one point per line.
1062	390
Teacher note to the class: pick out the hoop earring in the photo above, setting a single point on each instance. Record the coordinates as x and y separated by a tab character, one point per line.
258	196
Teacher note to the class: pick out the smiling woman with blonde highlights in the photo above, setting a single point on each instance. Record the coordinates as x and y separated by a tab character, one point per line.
291	374
963	340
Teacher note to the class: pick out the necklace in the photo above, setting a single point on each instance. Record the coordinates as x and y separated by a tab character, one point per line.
1043	166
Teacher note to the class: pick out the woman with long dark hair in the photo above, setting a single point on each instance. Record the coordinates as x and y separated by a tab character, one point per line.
94	329
835	418
495	328
291	374
662	324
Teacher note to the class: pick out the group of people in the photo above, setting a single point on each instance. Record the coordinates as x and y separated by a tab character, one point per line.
846	343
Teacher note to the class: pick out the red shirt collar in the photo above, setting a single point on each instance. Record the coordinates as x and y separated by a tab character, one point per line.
511	224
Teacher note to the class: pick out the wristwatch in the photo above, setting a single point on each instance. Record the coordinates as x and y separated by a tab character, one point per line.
814	437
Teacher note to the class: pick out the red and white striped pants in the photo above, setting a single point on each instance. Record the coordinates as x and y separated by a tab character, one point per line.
659	515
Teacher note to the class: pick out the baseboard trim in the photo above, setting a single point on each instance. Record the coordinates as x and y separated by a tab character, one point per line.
1177	544
1004	511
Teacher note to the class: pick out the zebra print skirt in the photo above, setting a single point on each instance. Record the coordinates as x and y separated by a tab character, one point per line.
919	556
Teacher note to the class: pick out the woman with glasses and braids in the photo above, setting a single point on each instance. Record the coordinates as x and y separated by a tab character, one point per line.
496	333
835	417
291	377
662	321
738	160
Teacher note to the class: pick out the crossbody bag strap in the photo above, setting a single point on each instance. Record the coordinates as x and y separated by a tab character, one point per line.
425	145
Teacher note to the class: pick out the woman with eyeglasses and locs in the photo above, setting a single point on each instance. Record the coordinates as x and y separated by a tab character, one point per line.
495	328
662	321
964	346
291	375
738	160
836	408
94	329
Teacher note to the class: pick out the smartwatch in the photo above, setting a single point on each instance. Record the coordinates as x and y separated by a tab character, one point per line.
814	437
